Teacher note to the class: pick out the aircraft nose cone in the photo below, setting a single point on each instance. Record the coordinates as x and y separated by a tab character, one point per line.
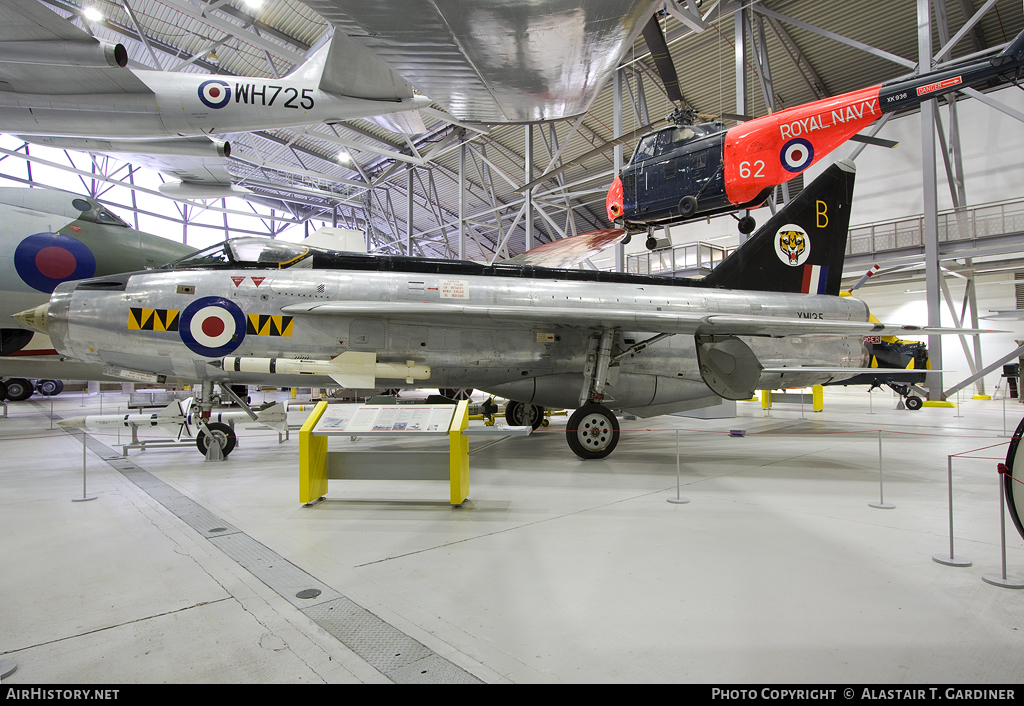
35	318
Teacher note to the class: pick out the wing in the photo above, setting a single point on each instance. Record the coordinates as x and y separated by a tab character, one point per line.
510	61
654	321
199	165
83	69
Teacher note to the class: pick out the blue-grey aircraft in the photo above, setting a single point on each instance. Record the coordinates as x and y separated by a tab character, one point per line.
49	237
259	311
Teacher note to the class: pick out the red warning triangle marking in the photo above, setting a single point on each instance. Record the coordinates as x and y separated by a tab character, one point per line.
257	280
237	280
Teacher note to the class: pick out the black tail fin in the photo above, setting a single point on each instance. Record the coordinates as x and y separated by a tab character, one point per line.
802	247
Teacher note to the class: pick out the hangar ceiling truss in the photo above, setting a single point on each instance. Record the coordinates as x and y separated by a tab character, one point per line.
457	189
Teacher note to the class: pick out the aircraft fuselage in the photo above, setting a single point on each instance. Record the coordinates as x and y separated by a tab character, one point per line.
187	105
140	323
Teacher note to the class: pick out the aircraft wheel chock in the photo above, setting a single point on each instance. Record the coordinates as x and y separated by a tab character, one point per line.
687	206
222	434
592	432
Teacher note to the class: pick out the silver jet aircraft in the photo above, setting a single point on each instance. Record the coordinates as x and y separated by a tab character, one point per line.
259	311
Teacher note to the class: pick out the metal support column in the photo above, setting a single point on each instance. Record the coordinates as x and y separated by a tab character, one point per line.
742	20
619	79
408	211
933	293
462	201
528	154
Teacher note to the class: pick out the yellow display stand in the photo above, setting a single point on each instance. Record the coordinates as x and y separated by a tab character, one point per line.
317	465
817	398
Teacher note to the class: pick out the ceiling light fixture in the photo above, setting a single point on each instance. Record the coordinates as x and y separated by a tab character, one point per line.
92	14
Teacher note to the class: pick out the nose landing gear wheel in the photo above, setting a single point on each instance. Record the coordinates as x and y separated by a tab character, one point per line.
914	402
592	432
222	434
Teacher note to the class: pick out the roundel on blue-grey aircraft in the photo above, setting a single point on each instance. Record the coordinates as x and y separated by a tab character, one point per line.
212	327
44	260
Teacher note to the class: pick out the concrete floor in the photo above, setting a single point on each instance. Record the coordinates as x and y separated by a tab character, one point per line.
556	570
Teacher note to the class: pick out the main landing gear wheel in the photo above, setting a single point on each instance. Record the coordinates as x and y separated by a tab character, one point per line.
746	225
18	389
651	242
521	414
222	434
49	388
914	402
687	206
592	432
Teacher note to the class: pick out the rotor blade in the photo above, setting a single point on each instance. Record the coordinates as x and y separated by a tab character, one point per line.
625	139
868	140
662	59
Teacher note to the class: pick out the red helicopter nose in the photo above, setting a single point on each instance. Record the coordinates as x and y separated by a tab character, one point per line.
613	202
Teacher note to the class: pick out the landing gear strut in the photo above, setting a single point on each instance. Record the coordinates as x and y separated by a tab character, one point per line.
592	430
912	401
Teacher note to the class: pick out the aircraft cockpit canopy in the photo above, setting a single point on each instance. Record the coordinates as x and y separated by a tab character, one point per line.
263	253
95	213
672	138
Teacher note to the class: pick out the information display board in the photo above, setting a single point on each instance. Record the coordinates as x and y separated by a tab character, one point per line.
385	419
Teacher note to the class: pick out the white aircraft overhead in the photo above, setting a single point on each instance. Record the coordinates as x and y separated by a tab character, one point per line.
61	87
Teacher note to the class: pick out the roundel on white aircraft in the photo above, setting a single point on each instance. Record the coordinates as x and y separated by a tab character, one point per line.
214	93
797	154
792	245
212	327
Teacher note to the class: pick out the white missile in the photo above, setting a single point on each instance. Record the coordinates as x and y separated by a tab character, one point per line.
173	414
351	369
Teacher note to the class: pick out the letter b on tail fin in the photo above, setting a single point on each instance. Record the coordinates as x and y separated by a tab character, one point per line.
801	248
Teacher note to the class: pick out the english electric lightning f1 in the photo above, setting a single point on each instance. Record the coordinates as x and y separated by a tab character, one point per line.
690	171
260	311
50	237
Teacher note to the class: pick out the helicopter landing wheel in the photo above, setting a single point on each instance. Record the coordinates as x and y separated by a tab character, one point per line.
746	225
687	206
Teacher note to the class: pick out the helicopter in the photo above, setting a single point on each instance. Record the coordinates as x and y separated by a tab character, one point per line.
692	170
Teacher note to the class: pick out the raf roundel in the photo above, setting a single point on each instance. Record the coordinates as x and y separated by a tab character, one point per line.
797	155
214	93
44	260
212	327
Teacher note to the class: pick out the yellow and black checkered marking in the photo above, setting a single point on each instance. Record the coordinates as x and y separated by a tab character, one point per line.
268	325
140	319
